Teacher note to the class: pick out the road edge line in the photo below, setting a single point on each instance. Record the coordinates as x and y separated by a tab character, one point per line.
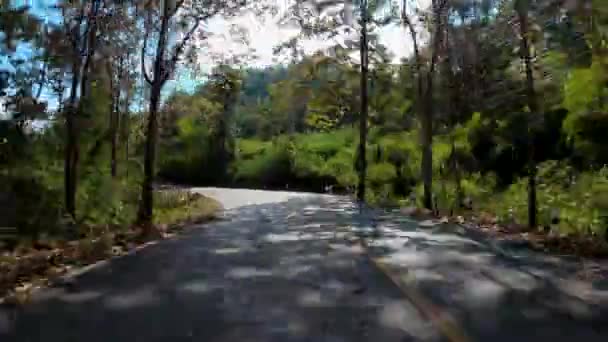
440	318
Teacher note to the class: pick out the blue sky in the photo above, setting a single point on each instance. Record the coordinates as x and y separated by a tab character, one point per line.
43	9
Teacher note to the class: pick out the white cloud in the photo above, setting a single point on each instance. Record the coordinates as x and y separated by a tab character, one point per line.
264	33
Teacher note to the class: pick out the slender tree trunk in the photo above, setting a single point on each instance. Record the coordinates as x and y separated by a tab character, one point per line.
126	126
425	96
221	155
113	119
454	105
362	170
125	120
79	80
147	198
455	169
70	118
147	194
116	117
427	150
522	13
113	138
429	108
71	143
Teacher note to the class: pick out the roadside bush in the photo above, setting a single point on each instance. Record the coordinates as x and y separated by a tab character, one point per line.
580	199
325	145
179	206
341	168
381	177
272	166
37	206
249	148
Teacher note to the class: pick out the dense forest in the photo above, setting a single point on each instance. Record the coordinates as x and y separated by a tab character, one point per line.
501	108
515	117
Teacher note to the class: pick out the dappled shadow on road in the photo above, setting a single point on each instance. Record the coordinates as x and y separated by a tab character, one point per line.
287	271
494	293
292	270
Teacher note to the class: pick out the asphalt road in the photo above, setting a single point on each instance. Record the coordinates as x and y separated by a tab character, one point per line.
283	266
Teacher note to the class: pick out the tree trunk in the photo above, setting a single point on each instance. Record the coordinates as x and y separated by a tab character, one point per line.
454	166
71	148
427	151
522	13
221	154
126	125
362	169
455	106
70	113
427	119
79	80
125	120
114	107
147	198
113	137
147	195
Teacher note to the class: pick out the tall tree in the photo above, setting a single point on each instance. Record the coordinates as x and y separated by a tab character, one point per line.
80	25
334	20
223	88
522	8
425	89
161	21
363	114
118	47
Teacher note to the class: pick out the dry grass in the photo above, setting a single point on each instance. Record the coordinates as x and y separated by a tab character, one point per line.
178	207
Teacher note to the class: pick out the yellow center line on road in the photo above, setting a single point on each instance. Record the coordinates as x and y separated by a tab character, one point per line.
438	317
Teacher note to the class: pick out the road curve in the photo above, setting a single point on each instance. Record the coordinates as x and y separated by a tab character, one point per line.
283	266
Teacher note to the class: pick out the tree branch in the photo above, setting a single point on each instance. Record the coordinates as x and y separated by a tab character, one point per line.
143	61
179	49
42	78
178	5
417	60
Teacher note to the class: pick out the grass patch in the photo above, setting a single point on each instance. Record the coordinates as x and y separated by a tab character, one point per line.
182	206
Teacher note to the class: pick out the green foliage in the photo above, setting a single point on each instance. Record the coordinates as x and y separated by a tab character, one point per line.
36	206
295	126
325	144
270	167
249	148
340	166
582	88
107	201
580	199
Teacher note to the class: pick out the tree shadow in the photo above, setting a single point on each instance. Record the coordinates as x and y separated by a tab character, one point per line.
286	271
517	295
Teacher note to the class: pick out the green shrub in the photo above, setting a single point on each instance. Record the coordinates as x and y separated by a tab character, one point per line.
325	144
270	167
38	207
307	164
249	148
341	168
382	173
580	199
380	179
